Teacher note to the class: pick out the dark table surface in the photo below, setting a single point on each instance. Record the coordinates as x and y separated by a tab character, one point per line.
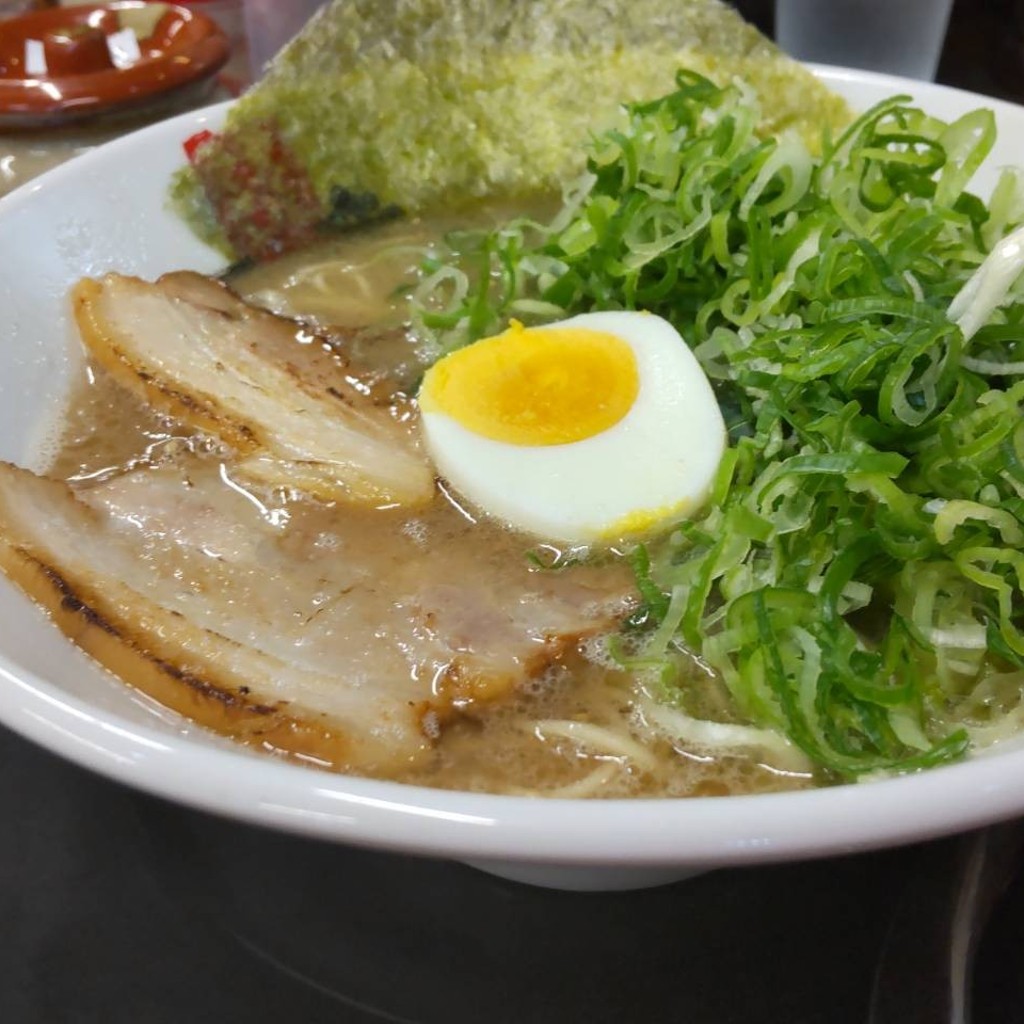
119	909
115	907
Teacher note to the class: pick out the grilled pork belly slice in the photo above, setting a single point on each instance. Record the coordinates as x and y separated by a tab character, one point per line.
191	348
345	635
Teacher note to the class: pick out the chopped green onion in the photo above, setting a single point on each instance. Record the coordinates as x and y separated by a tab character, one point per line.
856	578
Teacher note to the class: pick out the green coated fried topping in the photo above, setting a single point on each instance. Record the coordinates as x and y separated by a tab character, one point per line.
426	104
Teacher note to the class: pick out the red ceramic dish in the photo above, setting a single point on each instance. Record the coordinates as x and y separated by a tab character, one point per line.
59	64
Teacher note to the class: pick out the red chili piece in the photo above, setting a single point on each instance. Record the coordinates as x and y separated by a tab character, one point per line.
193	142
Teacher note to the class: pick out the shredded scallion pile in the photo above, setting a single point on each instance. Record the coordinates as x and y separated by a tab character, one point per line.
856	577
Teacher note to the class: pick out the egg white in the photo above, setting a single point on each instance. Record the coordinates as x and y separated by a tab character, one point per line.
655	465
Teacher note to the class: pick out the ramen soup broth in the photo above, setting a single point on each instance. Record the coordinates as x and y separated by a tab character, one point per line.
573	730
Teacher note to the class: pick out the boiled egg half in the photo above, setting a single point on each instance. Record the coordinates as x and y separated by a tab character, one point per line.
596	428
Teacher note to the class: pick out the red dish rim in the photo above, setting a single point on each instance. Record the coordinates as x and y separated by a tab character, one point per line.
198	50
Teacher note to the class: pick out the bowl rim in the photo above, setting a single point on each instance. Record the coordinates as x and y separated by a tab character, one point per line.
693	831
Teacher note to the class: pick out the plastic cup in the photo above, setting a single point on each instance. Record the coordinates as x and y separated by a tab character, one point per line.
270	24
902	37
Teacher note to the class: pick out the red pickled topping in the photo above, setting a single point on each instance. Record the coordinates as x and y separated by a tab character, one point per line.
261	194
193	142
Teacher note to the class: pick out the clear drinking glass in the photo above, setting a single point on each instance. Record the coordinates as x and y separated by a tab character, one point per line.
902	37
271	23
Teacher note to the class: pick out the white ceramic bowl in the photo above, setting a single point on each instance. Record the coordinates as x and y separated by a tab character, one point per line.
106	210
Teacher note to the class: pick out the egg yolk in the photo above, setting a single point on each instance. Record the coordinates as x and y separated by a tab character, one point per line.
535	386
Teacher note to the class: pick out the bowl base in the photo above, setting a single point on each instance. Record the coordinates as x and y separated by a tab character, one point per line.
584	878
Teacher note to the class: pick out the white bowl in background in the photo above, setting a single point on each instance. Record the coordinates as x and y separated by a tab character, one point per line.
106	211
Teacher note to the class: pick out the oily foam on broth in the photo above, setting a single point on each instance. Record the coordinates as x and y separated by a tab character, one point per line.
598	427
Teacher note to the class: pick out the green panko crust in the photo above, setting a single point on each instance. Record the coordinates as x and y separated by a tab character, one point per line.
424	103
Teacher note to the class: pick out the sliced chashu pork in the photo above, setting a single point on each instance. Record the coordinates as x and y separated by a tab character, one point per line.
349	635
191	348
